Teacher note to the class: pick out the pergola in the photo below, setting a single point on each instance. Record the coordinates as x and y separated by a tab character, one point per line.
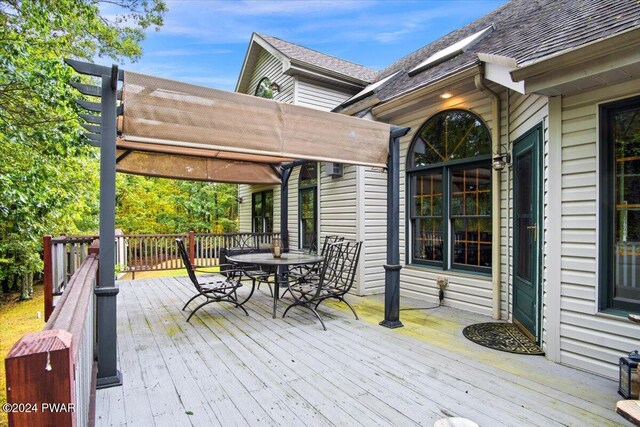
159	127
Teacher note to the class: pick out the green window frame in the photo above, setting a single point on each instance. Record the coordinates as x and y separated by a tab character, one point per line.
308	206
449	193
262	212
619	214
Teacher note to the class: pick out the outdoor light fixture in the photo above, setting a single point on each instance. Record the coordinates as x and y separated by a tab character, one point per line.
500	160
239	199
274	87
629	385
446	95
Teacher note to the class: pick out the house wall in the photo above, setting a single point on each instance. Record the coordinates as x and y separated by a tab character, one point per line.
269	66
467	291
336	197
244	208
316	95
525	113
588	340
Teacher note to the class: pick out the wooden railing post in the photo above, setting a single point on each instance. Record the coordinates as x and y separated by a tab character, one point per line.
48	277
192	247
40	376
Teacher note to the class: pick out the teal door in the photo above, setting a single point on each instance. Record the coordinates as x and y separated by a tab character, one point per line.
527	233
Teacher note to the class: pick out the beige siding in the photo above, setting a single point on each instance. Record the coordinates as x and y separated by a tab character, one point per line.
244	209
465	291
525	113
588	339
266	66
338	207
269	66
375	230
322	97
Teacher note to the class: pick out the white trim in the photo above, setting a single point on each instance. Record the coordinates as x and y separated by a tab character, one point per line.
502	75
552	292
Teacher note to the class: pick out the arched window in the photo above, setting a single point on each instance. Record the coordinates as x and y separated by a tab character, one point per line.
263	89
308	205
449	187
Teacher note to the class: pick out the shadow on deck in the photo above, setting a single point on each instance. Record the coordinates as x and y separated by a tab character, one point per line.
225	368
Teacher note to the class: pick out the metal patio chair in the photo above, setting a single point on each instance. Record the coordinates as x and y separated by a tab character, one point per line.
247	244
304	270
216	287
334	280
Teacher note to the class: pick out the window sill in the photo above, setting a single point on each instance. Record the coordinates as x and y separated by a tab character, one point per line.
450	273
615	314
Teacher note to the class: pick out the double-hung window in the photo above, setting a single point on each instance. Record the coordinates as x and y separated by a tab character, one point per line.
619	246
262	212
449	193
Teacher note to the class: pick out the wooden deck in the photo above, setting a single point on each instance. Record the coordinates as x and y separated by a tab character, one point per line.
229	369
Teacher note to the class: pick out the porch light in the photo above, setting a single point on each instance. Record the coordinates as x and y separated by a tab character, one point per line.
500	160
274	87
446	95
629	386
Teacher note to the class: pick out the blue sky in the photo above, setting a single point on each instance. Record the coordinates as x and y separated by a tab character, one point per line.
204	42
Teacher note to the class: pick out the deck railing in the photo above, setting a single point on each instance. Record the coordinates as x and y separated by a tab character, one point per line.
137	253
50	374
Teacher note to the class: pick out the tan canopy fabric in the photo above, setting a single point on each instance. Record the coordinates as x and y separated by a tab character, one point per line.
179	130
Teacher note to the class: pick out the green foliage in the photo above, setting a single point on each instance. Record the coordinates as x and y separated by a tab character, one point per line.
48	175
157	205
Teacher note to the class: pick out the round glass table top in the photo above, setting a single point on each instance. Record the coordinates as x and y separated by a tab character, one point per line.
269	259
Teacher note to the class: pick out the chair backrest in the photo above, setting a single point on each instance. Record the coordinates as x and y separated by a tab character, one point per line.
243	243
339	267
187	263
329	240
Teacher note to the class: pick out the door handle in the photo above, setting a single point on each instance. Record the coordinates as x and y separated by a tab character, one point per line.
533	227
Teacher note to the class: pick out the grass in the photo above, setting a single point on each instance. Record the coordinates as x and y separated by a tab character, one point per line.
17	319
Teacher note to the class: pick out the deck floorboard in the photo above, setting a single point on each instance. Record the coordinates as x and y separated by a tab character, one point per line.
225	368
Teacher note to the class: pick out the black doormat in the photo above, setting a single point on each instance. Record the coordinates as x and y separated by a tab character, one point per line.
501	336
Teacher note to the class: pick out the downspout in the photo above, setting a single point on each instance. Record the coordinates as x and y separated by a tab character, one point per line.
495	194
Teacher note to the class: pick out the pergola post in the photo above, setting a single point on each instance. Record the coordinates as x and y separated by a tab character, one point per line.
108	374
392	267
284	208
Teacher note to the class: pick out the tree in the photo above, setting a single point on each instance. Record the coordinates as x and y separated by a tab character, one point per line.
158	205
48	175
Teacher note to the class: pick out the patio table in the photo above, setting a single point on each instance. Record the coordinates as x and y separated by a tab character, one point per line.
285	261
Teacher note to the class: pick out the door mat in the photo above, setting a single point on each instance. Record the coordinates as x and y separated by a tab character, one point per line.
501	336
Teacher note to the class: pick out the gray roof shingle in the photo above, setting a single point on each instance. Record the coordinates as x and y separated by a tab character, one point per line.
525	30
318	59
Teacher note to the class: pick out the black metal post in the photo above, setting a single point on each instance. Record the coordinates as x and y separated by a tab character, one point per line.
392	267
284	208
108	374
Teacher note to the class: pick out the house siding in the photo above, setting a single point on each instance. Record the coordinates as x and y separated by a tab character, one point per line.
269	66
588	340
467	291
321	97
524	113
244	208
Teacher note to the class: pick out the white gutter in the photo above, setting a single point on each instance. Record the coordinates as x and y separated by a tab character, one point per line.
495	194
